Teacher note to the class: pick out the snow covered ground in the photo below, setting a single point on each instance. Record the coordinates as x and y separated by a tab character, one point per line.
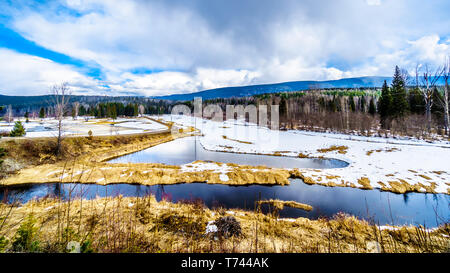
380	160
80	127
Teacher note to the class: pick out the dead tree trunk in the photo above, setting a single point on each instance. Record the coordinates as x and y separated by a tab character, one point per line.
427	88
61	96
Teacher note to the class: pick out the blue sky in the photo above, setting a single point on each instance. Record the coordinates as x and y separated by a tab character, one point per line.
163	47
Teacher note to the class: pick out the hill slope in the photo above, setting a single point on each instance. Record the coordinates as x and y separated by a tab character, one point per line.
242	91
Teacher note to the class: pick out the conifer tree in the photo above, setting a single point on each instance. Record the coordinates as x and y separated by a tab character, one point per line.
18	130
352	103
399	106
283	107
42	113
384	106
372	108
416	102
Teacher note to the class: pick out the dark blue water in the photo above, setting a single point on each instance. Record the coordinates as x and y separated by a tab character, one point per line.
187	150
380	207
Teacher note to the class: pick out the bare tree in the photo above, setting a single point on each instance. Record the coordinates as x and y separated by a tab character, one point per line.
426	87
9	114
76	107
141	110
405	76
444	102
61	96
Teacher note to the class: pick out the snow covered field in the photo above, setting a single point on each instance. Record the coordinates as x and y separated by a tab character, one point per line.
80	127
377	161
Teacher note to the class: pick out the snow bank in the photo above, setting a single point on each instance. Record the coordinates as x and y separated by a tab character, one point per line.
380	160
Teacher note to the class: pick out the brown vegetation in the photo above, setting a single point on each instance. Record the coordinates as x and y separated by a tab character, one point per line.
339	149
145	225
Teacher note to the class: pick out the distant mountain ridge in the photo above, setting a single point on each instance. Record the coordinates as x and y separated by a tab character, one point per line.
250	90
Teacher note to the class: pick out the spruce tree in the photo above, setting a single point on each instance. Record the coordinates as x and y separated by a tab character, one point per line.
352	103
18	130
399	105
416	102
372	108
42	113
384	106
283	107
2	150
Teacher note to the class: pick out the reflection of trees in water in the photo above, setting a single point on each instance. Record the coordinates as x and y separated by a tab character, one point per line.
406	198
160	192
56	189
15	194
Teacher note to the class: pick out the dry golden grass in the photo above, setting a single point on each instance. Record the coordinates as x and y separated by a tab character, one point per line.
339	149
237	140
280	204
144	225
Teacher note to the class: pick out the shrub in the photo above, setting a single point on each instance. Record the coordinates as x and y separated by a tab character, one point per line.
18	130
228	226
86	247
181	224
3	243
2	154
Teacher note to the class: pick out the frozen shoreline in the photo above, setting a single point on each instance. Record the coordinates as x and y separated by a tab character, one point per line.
379	160
80	127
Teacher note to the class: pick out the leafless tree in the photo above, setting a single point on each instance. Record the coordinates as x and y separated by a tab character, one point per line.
405	76
426	87
141	110
9	114
61	96
444	102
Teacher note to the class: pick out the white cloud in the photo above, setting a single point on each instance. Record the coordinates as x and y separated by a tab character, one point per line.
22	74
373	2
228	43
167	82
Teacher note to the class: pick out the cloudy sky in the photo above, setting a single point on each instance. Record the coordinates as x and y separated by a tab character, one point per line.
158	47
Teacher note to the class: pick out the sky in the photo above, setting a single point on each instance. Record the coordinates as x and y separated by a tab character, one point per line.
157	47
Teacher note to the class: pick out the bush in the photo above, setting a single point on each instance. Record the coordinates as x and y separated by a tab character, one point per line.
2	154
181	224
3	243
228	226
18	130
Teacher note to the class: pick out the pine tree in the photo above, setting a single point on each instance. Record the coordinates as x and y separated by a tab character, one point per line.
384	106
283	107
416	102
18	130
135	110
352	103
113	112
372	108
2	151
2	154
398	92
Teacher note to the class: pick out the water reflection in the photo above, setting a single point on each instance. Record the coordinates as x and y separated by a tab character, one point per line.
381	207
186	150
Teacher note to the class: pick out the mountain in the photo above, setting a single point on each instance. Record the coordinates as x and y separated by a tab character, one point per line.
243	91
35	102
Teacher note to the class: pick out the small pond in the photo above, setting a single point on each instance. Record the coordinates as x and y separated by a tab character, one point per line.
186	150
